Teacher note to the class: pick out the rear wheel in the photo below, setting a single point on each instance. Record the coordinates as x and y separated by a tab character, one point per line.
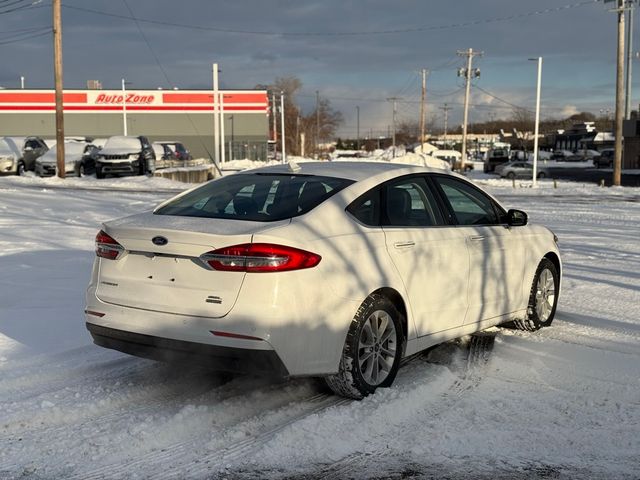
543	298
372	351
511	175
542	175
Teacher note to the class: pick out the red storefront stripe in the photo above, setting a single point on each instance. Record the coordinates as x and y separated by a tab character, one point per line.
173	97
42	97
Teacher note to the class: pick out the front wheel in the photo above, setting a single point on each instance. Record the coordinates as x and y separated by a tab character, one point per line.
542	175
543	298
21	169
372	351
511	175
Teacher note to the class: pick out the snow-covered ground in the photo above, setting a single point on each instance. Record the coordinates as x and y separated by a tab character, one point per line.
560	403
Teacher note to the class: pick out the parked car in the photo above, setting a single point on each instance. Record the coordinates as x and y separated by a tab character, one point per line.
522	170
605	159
329	269
125	155
9	156
164	155
561	155
79	160
20	154
495	157
178	149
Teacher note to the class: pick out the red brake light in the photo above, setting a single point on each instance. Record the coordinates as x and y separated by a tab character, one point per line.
107	247
260	257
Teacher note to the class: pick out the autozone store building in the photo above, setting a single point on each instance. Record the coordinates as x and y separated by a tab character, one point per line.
179	115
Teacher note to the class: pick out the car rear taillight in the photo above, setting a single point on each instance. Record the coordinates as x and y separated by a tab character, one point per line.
107	247
260	257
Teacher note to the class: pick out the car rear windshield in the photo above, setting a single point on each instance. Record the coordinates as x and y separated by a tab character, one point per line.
257	197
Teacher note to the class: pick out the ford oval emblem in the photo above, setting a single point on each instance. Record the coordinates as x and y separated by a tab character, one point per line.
160	241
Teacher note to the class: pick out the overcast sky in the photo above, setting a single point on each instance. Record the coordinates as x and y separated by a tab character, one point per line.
356	53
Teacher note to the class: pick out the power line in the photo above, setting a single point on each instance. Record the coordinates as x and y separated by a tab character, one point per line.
352	33
502	99
23	37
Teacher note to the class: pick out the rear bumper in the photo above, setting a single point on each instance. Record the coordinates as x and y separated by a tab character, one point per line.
219	358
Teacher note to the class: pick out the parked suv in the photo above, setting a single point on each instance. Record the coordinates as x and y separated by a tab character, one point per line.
24	152
605	159
125	156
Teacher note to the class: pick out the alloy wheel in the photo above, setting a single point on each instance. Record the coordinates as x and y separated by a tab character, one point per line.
377	347
545	295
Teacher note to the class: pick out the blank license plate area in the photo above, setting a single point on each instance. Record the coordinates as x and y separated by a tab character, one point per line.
168	284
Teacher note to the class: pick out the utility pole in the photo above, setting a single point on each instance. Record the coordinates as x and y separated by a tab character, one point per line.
393	131
617	159
627	105
423	99
467	73
317	122
357	127
446	109
57	73
284	152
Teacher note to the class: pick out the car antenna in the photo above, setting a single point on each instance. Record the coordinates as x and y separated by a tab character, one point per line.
294	167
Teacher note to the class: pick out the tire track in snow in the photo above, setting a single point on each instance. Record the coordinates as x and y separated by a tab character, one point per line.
471	375
178	454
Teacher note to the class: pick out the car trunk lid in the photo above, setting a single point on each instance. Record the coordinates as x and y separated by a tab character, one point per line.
167	275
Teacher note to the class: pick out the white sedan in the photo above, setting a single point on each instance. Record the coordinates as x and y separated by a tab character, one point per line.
334	270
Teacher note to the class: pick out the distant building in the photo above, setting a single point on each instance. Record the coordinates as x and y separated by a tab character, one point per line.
177	115
631	151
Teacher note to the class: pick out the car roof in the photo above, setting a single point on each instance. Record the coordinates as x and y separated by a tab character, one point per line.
356	171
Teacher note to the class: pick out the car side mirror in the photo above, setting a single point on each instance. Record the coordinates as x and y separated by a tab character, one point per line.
517	218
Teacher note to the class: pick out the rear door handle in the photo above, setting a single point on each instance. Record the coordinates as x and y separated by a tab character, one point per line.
477	238
407	244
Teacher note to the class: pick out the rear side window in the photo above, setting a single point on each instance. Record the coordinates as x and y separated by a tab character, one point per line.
256	197
470	206
408	202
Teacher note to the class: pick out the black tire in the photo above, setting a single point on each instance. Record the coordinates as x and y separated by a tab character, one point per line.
20	170
142	168
511	175
99	173
535	318
355	379
542	175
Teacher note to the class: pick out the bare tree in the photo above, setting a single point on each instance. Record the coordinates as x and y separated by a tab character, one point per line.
329	121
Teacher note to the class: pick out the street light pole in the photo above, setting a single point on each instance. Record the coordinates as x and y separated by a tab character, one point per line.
232	138
537	127
124	107
284	153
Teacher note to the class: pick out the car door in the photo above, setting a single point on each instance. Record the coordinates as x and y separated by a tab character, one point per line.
426	253
496	252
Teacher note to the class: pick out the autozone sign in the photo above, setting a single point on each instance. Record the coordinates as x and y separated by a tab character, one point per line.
129	98
110	101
